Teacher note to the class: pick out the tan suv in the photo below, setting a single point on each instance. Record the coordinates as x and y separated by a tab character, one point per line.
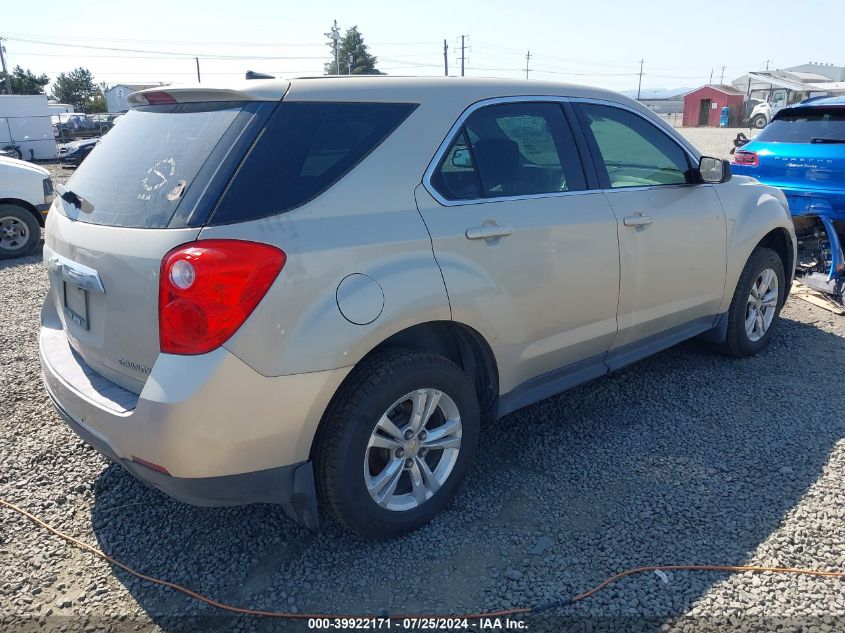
320	290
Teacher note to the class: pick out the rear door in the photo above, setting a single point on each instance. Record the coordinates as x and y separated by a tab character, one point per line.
672	231
147	187
529	256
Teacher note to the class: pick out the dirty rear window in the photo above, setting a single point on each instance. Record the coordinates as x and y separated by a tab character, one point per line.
140	171
806	125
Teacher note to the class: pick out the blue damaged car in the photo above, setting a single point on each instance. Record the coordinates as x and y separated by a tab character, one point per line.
802	152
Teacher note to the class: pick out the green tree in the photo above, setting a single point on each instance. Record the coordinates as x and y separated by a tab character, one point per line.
353	56
24	82
79	90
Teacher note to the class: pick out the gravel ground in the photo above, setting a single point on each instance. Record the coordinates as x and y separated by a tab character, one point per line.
683	458
716	142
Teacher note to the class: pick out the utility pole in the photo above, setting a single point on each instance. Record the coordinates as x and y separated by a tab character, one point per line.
199	80
3	62
640	85
445	58
527	59
710	83
463	53
722	77
768	61
334	43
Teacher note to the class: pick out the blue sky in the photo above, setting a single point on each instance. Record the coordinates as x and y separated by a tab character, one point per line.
596	42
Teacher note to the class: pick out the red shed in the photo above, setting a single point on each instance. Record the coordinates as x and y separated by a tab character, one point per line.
703	106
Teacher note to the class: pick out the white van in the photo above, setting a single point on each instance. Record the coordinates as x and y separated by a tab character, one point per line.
26	127
26	193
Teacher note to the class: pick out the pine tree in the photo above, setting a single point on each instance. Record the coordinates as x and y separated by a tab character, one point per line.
353	56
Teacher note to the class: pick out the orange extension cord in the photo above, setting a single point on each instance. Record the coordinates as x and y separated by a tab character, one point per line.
469	616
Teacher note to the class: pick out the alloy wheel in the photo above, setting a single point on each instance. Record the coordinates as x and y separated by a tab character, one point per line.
761	305
412	449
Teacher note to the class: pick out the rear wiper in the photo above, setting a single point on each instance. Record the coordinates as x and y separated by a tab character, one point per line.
74	198
827	140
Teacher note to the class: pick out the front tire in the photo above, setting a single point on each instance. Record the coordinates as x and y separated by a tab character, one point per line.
756	304
20	232
759	122
396	442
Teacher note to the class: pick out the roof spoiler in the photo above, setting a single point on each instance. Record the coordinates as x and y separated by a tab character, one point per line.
241	91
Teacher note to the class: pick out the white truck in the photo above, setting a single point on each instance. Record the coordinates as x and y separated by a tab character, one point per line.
26	193
26	128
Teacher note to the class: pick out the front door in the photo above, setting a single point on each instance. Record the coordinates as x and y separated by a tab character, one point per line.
529	257
672	230
704	112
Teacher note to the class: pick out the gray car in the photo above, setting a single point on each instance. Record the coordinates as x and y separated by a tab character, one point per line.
318	293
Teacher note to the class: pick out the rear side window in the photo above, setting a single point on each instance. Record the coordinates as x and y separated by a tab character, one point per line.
305	149
806	125
634	152
511	149
139	172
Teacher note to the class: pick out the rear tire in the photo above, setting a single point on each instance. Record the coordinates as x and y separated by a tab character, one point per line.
20	232
368	436
756	304
16	151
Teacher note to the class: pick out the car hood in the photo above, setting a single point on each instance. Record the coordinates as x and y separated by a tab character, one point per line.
13	164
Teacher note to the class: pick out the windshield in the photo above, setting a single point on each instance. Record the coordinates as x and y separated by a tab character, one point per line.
139	173
806	125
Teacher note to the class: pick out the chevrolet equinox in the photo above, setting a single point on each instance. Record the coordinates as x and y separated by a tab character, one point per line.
315	292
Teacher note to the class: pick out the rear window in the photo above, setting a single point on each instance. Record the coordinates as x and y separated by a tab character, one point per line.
305	148
141	170
806	125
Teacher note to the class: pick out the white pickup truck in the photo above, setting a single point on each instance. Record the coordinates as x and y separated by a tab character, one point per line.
26	193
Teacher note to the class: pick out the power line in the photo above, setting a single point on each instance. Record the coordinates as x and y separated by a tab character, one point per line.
176	54
187	42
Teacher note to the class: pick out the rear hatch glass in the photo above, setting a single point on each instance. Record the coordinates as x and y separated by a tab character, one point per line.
816	125
143	169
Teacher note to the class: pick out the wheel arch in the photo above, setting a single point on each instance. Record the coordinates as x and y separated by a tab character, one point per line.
460	343
25	205
780	242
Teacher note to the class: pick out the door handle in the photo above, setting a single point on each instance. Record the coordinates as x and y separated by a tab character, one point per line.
637	220
489	231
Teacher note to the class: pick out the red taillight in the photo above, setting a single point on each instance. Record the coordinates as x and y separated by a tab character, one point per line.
743	157
159	97
208	289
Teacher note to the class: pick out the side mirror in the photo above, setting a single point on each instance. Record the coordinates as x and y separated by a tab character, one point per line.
714	170
461	157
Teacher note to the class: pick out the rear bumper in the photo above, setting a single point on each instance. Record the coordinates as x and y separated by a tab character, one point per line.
221	433
292	486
